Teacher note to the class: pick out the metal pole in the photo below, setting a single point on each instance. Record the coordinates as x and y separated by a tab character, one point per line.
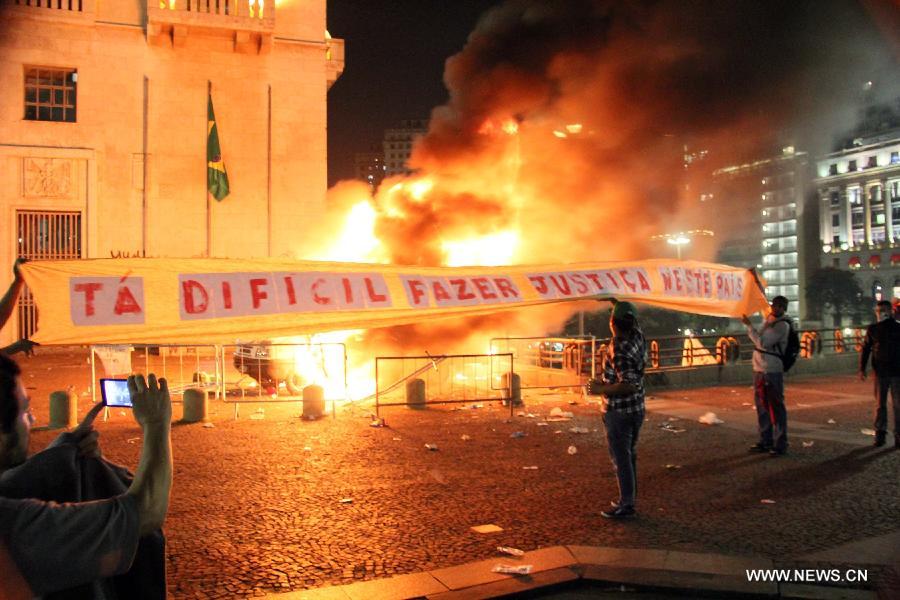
206	175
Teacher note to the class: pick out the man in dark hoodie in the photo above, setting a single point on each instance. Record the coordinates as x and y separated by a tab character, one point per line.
882	343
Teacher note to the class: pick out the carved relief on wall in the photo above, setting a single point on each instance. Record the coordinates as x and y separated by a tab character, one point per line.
48	177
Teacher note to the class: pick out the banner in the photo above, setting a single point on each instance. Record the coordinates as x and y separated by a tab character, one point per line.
169	300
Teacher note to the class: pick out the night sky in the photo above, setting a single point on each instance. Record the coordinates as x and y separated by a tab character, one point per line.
394	64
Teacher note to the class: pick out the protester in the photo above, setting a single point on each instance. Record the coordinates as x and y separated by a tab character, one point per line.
47	547
7	304
768	378
623	403
882	342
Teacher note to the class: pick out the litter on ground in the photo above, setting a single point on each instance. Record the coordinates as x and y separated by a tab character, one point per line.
808	444
572	450
579	430
489	528
710	418
766	501
510	551
432	447
512	569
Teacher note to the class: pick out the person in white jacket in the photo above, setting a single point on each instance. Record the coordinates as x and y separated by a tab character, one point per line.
768	378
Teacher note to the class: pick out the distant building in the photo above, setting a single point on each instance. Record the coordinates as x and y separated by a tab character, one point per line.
398	144
369	167
859	203
103	128
763	221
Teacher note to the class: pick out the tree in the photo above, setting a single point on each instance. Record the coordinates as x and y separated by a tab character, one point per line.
834	289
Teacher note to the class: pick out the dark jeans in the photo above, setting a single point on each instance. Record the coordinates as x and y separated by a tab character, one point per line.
882	385
621	436
771	413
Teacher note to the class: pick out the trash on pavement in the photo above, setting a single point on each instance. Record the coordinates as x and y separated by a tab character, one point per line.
672	419
530	468
307	449
572	450
432	447
132	440
258	416
346	500
517	434
558	414
710	418
831	421
579	430
377	422
209	425
673	467
670	428
510	551
767	501
489	528
396	439
465	437
867	431
808	444
542	424
512	569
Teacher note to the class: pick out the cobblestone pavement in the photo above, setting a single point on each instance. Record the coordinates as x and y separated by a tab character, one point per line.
278	503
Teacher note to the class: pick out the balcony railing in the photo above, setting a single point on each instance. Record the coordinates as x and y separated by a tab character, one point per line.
250	22
70	10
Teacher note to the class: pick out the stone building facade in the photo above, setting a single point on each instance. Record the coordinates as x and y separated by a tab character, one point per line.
103	128
859	205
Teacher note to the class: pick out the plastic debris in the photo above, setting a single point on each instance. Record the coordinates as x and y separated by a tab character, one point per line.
767	501
257	417
209	425
672	419
579	430
558	414
530	415
542	424
831	421
530	468
673	467
746	404
572	450
867	432
377	422
558	431
432	447
489	528
710	418
670	428
132	440
517	434
307	449
520	414
475	406
512	569
346	500
510	551
808	444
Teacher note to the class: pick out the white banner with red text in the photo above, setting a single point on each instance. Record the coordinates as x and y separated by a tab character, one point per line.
173	300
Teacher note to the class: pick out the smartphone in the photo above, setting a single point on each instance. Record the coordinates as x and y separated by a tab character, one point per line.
115	392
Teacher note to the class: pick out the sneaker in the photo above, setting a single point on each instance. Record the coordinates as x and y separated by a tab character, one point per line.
621	512
775	452
614	503
759	448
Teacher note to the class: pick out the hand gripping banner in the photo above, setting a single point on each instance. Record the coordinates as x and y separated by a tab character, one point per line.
167	300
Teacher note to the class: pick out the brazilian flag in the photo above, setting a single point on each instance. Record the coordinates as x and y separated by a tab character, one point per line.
216	177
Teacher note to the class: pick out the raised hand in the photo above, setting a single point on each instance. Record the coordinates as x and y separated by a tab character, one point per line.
150	400
85	436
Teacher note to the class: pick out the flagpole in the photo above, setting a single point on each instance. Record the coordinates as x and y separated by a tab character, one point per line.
145	168
206	175
269	177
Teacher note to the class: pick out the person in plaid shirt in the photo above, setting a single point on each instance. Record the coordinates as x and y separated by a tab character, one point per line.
623	405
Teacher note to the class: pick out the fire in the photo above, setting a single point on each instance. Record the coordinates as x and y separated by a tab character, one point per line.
486	251
357	241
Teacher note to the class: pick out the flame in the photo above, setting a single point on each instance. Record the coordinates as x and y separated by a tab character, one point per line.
510	127
357	241
418	189
486	251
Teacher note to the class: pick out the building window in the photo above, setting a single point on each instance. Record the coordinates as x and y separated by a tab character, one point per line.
875	194
832	169
835	198
854	195
895	158
851	166
50	94
836	220
872	162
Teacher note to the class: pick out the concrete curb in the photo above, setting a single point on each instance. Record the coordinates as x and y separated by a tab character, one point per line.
710	575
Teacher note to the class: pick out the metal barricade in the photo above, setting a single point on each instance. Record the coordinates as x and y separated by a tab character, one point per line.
551	362
443	379
182	365
279	372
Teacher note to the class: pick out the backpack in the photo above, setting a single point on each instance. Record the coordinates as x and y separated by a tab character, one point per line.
792	351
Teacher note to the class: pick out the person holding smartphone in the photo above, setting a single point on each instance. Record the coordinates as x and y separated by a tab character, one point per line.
47	547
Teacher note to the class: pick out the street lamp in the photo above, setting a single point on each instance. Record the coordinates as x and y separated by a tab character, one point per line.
678	241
